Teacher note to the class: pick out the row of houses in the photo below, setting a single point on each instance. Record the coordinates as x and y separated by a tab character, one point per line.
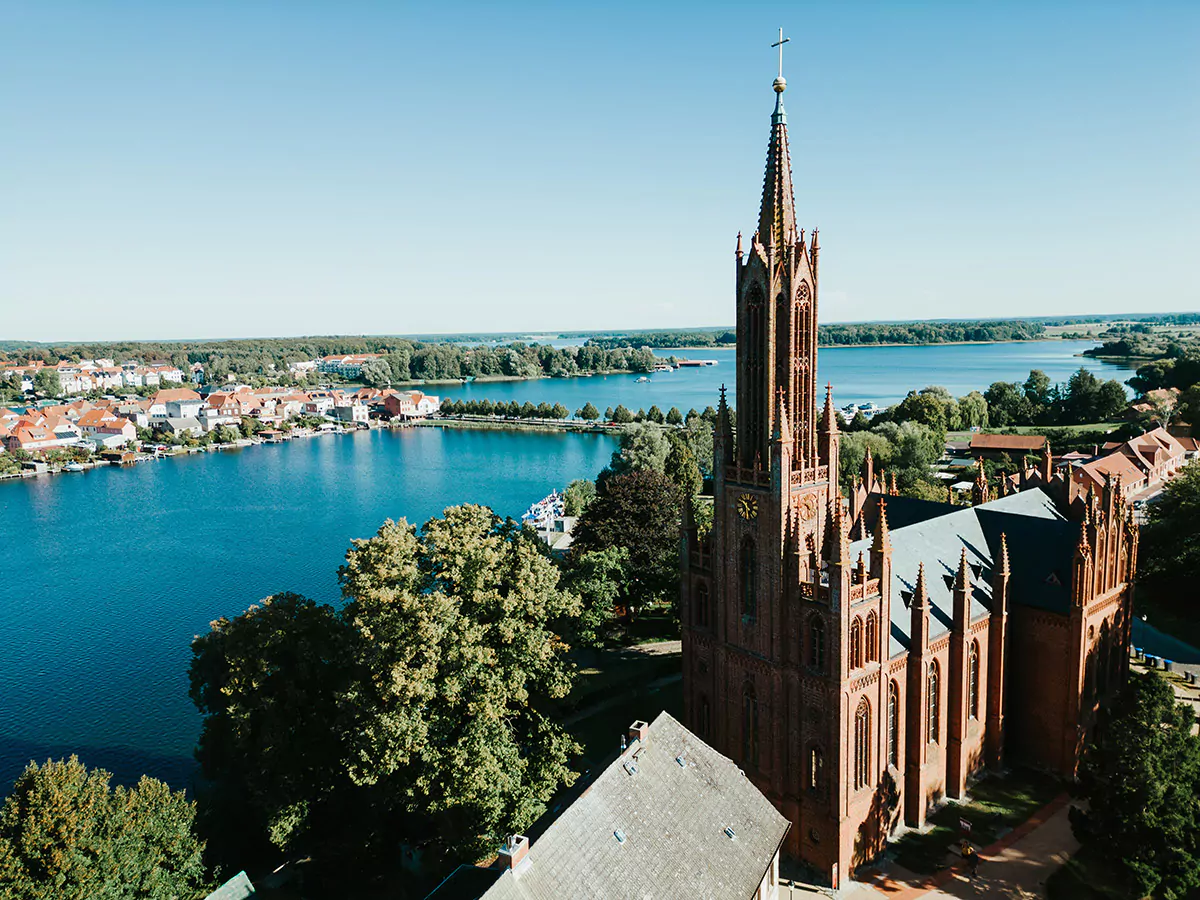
1144	463
115	421
90	375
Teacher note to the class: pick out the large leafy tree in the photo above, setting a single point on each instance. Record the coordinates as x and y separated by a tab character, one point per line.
67	834
1169	548
410	716
460	654
639	512
269	684
1141	777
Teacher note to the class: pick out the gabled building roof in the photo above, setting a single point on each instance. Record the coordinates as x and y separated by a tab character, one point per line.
670	817
1011	443
1041	546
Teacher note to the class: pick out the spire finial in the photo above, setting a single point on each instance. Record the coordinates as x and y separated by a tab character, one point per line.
780	82
963	578
920	592
1004	567
881	544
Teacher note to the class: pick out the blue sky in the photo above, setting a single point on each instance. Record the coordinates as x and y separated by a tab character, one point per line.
213	169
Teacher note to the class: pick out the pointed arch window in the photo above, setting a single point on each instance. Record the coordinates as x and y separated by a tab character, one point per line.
856	658
973	681
934	701
816	768
893	724
802	340
748	574
872	638
749	726
702	605
816	642
862	744
755	416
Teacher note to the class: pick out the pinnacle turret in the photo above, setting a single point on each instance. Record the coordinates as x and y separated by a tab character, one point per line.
777	215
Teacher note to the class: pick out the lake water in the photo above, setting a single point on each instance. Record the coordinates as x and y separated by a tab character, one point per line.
859	375
110	573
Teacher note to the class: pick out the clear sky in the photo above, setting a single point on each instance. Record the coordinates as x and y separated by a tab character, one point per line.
221	169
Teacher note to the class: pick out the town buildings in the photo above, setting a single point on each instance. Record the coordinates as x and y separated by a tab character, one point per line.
864	660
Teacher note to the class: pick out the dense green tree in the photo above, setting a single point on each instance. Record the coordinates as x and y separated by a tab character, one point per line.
377	372
681	466
513	411
410	716
1141	777
972	411
268	683
853	452
643	446
597	577
860	422
655	415
608	414
558	411
578	495
1169	547
674	416
638	511
461	654
699	436
66	834
47	382
588	413
621	415
1007	404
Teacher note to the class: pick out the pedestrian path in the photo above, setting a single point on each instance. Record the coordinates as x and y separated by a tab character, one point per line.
1015	867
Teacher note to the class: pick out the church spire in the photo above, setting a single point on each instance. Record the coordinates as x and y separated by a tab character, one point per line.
777	216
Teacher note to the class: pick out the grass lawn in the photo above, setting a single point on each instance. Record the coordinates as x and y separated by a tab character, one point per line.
996	805
1085	876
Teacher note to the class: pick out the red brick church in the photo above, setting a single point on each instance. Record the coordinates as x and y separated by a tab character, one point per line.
864	660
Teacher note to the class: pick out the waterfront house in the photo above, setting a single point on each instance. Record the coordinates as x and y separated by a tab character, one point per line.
30	436
411	404
350	412
180	426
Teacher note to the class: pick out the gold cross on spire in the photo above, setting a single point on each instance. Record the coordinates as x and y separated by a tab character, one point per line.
779	43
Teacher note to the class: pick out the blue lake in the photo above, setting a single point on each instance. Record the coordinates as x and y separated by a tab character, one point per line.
110	573
859	374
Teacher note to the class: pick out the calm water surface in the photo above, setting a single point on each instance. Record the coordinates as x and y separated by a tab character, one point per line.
859	374
110	573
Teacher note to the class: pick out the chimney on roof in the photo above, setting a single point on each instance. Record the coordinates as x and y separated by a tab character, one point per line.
512	851
638	731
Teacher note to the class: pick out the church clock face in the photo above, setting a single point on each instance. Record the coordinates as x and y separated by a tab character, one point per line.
747	506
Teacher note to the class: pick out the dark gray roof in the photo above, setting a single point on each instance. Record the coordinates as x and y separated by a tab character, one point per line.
236	888
1041	546
672	818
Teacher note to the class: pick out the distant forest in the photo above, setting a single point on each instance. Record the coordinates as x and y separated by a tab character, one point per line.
464	356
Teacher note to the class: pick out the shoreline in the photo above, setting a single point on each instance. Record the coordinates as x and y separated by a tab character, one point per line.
547	426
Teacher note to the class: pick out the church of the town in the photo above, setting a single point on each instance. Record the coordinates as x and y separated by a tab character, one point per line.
864	658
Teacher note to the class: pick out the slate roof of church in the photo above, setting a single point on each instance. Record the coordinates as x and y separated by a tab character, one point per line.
1041	548
672	816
